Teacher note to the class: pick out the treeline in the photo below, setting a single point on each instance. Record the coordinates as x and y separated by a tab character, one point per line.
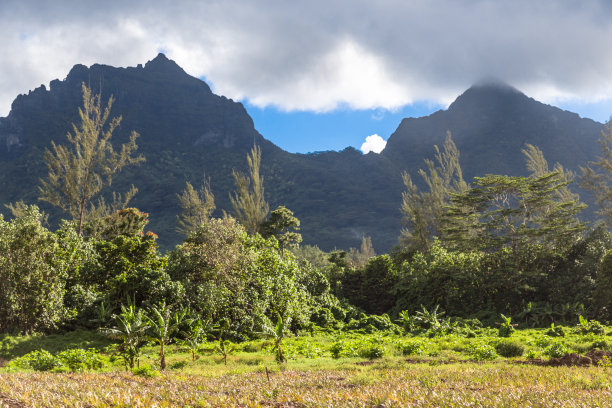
501	244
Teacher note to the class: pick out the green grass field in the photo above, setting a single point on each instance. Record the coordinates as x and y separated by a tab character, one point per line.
337	369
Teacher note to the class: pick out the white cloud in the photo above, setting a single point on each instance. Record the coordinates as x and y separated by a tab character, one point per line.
373	143
319	55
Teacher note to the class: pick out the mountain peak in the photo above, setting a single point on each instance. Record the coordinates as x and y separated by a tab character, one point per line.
161	63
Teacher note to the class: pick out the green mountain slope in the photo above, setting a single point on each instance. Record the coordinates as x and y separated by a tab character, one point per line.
187	131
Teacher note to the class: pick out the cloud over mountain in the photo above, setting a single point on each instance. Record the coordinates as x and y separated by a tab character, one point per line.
321	55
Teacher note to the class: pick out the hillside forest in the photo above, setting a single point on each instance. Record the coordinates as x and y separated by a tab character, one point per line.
475	249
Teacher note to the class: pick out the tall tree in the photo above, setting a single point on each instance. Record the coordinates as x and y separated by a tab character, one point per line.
503	211
422	210
196	206
597	176
79	173
248	203
538	166
284	226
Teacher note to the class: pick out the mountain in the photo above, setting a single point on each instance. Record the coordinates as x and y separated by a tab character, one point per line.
490	124
188	132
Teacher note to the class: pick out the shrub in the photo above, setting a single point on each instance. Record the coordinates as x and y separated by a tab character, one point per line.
507	348
483	352
556	349
506	328
372	351
38	360
145	371
80	359
555	331
412	347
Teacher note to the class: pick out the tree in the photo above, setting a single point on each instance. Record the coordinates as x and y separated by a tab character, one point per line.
284	226
503	211
196	206
79	174
422	211
131	330
538	166
358	258
32	274
597	176
249	205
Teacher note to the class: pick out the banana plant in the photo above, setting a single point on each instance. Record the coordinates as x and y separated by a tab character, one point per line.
131	326
162	324
277	333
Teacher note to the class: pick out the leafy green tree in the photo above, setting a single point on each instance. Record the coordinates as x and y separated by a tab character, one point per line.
503	211
597	176
232	277
32	274
225	348
248	202
284	226
422	210
162	324
79	174
196	207
130	267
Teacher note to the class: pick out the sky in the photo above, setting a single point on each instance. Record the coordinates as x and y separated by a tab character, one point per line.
323	75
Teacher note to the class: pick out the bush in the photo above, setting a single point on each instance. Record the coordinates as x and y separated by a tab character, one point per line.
73	360
145	371
412	347
507	348
483	352
371	352
555	331
556	350
38	360
80	359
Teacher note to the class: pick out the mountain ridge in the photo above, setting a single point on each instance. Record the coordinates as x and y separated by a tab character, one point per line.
188	133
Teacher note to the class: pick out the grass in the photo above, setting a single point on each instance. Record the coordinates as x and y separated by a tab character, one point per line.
443	371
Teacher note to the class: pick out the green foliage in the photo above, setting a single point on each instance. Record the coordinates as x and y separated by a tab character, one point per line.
72	359
506	328
590	326
555	331
225	348
129	267
372	323
196	207
131	332
277	334
556	349
34	267
422	211
163	324
512	212
602	296
284	226
370	288
248	202
77	176
372	352
145	371
231	277
597	176
508	348
412	347
482	352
